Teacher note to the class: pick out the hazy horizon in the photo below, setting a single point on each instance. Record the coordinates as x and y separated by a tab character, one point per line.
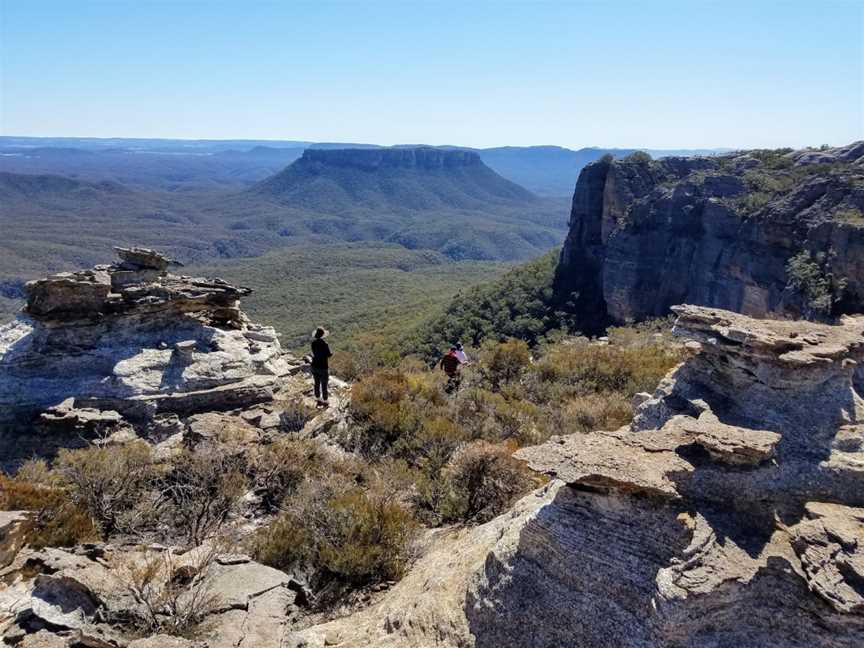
661	75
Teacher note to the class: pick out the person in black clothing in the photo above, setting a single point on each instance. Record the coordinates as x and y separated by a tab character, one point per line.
320	365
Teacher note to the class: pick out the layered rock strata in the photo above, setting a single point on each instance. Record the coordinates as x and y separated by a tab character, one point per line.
129	342
730	511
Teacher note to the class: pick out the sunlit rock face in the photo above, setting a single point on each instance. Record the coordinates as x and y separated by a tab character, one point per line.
730	510
137	340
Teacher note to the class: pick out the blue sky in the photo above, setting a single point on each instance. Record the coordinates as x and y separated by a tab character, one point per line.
618	73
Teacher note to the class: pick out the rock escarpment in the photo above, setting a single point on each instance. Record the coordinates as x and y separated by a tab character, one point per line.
717	231
130	344
729	513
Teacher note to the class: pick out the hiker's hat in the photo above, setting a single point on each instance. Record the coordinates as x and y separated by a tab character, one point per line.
320	332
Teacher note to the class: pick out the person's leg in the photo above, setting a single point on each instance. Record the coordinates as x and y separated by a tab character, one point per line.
325	382
317	378
450	383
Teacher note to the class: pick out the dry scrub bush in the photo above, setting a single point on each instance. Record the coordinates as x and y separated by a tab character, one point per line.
391	405
107	481
503	362
595	368
483	479
349	530
173	593
607	411
57	521
202	489
294	415
278	469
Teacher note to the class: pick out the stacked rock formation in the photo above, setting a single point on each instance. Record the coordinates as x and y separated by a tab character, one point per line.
127	343
729	513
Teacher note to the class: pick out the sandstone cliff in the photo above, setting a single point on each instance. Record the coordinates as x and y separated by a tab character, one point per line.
717	231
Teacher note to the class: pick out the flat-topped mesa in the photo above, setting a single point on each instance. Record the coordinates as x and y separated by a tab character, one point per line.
422	157
134	339
138	283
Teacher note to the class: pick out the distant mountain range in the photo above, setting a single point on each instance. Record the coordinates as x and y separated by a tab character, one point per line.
424	198
194	165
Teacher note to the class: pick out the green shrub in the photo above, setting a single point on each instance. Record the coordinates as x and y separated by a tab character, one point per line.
818	289
346	532
519	305
593	368
589	412
754	201
391	404
503	362
773	158
653	332
638	157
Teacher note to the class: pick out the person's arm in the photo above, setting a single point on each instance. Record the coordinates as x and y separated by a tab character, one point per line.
329	352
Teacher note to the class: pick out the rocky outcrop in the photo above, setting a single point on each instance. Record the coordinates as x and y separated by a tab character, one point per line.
86	596
730	510
123	345
718	231
729	513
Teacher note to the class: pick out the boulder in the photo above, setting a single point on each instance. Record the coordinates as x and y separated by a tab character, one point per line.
144	258
14	526
66	595
69	294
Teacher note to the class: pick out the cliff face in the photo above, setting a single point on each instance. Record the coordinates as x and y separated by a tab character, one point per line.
420	157
721	231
